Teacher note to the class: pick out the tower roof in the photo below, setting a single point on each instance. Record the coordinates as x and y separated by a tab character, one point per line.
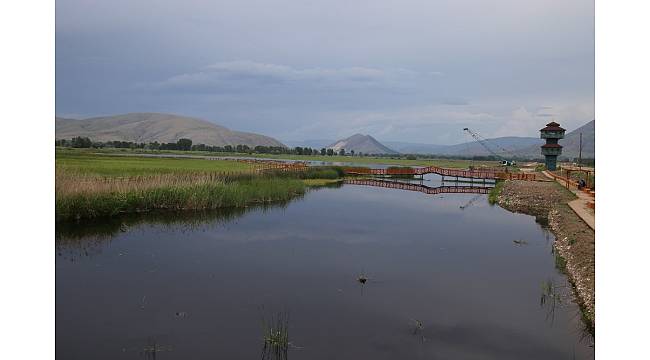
553	126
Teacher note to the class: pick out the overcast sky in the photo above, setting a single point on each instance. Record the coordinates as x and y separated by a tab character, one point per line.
416	71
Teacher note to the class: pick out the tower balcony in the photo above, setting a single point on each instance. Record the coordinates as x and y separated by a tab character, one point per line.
551	149
552	134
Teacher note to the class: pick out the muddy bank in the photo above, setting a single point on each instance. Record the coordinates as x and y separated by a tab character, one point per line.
574	240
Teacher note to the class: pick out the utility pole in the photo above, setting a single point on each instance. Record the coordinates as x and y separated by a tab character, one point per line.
580	153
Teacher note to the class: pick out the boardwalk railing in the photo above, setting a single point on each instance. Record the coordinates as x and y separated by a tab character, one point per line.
460	173
421	188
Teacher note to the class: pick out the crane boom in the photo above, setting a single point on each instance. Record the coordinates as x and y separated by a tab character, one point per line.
483	143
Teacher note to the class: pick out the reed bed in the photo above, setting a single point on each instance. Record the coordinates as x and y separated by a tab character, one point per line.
82	195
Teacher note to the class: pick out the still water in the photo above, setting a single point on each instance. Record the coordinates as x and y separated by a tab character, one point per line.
449	277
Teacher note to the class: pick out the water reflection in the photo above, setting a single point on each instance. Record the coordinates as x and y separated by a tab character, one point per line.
87	238
430	190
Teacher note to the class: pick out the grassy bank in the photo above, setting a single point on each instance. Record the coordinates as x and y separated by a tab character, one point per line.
92	186
493	196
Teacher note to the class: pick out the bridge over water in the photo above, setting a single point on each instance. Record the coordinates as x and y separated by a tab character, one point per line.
421	188
444	172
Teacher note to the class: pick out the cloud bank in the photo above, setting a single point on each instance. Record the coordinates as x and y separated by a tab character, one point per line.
414	70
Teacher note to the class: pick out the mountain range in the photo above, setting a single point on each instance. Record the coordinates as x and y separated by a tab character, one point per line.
514	146
163	128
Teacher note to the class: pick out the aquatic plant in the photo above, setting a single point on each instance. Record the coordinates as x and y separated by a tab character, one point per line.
276	337
550	298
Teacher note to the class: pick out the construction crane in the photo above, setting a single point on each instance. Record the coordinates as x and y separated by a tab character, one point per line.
483	143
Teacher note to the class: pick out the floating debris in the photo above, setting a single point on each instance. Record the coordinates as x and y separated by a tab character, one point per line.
181	314
520	242
418	326
362	279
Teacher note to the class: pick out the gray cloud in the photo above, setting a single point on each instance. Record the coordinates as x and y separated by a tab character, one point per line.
255	76
411	70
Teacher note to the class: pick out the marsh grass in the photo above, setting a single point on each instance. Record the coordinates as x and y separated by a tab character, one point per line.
560	262
276	337
82	194
551	297
146	196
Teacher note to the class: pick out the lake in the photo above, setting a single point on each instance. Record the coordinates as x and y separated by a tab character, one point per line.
448	277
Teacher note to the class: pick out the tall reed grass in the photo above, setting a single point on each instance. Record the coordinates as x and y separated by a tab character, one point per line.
80	195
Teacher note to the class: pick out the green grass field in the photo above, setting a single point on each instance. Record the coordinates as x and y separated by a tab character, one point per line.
368	160
85	162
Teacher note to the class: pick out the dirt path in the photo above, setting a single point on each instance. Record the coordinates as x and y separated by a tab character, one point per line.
574	239
581	205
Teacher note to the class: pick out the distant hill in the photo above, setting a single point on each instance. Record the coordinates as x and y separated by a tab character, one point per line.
510	143
163	128
519	146
361	144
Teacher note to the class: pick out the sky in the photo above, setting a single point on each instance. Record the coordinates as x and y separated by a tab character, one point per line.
412	71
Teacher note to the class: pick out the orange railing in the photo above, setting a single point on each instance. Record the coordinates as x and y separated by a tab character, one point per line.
461	173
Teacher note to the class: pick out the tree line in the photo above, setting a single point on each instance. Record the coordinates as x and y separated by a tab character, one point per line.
187	145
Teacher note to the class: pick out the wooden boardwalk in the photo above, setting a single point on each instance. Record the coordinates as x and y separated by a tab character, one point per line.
445	172
421	188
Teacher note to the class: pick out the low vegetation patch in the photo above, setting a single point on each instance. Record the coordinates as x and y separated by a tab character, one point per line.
493	196
319	182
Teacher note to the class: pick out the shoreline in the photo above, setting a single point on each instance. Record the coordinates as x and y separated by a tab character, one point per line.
574	240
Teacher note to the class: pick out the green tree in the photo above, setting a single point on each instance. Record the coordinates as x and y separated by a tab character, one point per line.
342	152
184	144
81	142
323	151
330	152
